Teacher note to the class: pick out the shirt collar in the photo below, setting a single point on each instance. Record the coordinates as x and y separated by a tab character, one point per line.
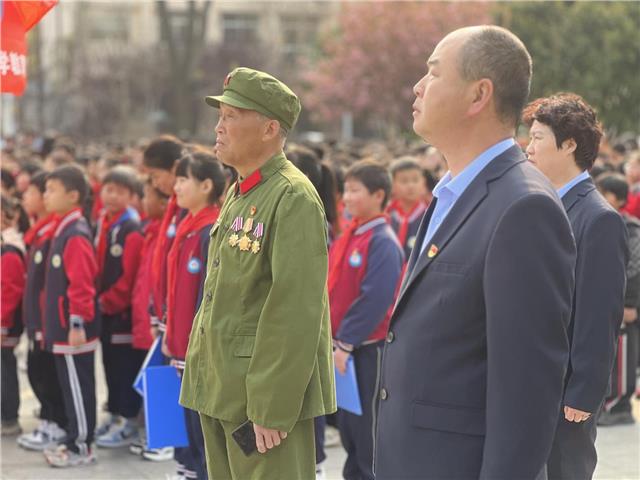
572	183
274	164
458	184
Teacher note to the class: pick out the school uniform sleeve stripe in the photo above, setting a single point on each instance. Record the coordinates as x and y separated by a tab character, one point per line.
81	270
12	286
377	291
118	297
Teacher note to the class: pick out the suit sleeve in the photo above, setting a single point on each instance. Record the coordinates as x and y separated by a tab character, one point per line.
289	327
377	292
12	281
118	298
528	288
81	269
599	303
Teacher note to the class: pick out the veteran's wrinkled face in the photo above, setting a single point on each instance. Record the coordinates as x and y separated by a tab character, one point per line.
440	102
239	135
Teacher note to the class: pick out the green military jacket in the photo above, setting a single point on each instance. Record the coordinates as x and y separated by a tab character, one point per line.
260	345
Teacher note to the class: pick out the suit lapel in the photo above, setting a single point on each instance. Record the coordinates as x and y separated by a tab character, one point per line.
471	198
578	192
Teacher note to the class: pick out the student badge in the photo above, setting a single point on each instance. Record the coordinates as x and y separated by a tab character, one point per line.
433	251
56	261
116	250
355	260
194	266
38	257
171	231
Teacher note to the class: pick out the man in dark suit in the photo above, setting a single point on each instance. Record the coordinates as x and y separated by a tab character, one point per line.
475	359
565	136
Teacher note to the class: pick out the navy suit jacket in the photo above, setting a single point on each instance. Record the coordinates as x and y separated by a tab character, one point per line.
601	239
475	360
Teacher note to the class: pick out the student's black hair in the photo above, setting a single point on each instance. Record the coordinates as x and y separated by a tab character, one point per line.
614	183
373	175
202	164
338	174
73	178
39	180
8	182
124	177
320	175
13	210
429	179
403	164
31	167
163	152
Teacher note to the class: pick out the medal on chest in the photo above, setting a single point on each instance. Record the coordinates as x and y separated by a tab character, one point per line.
247	233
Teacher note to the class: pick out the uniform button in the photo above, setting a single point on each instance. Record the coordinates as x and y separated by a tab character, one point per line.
390	337
209	296
216	262
383	394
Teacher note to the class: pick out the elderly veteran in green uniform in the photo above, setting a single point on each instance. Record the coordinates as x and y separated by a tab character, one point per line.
260	346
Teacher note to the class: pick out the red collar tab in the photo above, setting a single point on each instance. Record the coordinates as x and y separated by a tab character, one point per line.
250	182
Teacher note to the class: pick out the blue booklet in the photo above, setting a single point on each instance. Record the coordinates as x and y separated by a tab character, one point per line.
347	392
163	415
154	357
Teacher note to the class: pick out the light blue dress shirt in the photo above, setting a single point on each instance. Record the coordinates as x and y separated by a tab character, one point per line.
576	180
449	189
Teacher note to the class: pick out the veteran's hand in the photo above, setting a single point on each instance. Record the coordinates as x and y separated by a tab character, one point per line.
575	415
630	315
267	438
340	358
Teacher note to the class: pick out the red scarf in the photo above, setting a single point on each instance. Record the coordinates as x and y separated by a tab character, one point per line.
161	244
404	226
188	225
105	223
31	234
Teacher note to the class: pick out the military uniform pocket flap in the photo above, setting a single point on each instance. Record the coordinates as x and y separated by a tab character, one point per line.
243	345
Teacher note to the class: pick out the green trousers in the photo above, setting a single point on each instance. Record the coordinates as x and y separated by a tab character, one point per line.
293	459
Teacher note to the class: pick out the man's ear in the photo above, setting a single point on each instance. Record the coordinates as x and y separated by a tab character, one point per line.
569	145
271	130
481	95
75	196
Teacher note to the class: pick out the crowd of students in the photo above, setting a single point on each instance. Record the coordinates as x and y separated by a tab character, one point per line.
107	246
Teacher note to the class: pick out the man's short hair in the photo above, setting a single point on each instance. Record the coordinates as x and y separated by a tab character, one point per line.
569	116
497	54
125	177
163	152
403	164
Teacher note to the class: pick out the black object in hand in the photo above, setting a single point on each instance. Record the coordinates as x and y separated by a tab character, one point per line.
245	437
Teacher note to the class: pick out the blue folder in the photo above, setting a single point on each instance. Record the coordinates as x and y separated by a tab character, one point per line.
154	358
347	392
164	416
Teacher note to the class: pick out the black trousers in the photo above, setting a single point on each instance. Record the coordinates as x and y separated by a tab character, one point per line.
43	377
192	458
320	425
573	453
10	387
121	365
623	377
356	431
77	382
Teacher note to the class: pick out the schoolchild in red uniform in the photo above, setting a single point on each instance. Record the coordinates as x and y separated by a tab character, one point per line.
365	266
408	206
41	367
200	181
71	330
118	244
12	287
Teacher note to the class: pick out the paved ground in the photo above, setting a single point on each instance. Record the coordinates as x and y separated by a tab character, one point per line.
618	449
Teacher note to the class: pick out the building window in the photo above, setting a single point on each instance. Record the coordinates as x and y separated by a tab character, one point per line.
239	28
298	36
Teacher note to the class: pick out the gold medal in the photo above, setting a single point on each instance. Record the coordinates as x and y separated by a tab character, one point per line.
233	240
255	247
244	244
248	225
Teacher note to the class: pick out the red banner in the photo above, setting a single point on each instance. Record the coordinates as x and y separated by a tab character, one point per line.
18	17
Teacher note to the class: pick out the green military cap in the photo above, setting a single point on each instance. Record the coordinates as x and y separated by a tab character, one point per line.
254	90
